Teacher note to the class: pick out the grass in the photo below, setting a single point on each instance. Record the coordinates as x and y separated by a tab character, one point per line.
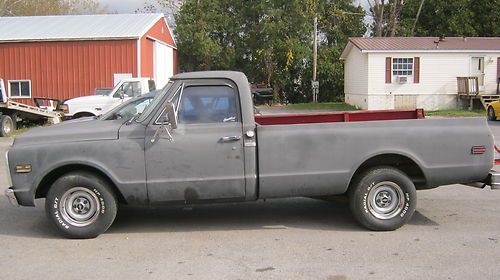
456	113
333	106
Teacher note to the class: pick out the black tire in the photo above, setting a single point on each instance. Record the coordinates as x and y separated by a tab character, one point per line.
491	114
93	205
382	198
6	126
14	121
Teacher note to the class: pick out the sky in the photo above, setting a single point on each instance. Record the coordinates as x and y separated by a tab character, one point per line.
121	6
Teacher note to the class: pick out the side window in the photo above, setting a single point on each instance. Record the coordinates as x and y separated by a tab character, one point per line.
20	89
129	89
208	104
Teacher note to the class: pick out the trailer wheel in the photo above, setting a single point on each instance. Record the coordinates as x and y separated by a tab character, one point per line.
81	205
491	114
382	198
6	126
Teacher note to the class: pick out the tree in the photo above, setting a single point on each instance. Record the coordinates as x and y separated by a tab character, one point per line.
205	35
486	15
339	21
48	7
269	40
451	18
386	15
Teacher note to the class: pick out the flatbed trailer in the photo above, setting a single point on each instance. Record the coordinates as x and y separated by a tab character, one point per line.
11	112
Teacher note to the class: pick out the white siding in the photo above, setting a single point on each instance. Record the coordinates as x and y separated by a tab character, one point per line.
356	78
438	80
490	73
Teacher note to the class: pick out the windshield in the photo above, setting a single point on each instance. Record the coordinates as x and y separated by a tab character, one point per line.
129	109
154	102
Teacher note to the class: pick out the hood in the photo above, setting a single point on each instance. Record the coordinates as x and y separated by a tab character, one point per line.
88	99
87	130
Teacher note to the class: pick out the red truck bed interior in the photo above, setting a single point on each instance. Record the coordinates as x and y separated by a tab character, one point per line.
354	116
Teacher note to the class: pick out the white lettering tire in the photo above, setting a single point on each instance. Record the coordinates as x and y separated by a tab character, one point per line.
382	198
81	205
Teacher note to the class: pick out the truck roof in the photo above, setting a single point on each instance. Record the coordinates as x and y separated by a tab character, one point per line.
237	77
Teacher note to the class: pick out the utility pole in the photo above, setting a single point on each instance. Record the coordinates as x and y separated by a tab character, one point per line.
314	82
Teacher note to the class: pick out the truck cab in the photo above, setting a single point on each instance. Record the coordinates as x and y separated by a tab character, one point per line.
87	106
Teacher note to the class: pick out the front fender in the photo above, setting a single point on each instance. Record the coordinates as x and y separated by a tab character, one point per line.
121	161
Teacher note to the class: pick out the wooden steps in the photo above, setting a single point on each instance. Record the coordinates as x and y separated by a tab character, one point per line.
487	99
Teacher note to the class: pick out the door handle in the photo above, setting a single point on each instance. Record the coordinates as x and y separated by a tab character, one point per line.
230	138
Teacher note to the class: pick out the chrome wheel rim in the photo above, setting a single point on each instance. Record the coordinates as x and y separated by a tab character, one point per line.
7	127
79	206
385	200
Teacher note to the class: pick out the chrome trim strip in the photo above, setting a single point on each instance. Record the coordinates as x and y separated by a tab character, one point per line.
9	193
250	144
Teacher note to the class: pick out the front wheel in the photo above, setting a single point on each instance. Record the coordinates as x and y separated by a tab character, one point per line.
491	114
81	205
382	198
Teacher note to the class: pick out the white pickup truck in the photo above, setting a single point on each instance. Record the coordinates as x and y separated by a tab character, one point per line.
87	106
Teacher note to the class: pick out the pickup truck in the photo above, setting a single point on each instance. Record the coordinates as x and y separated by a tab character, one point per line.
95	105
199	141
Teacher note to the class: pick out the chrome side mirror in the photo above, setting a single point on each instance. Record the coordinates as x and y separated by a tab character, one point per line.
169	125
171	115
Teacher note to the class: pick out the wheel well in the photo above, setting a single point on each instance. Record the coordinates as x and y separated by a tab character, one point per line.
50	178
82	114
403	163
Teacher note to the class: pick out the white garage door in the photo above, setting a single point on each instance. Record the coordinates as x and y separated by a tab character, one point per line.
163	64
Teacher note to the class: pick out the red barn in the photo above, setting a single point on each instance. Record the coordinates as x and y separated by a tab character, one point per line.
69	56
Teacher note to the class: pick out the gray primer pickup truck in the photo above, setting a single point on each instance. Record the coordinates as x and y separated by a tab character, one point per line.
199	142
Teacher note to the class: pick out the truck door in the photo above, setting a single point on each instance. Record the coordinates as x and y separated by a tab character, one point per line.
205	160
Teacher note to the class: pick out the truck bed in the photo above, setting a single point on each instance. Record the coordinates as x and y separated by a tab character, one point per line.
308	159
354	116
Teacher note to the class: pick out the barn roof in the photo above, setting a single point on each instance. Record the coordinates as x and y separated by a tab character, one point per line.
424	44
76	27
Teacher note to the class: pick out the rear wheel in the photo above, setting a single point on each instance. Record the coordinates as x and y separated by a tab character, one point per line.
6	126
491	114
382	198
81	205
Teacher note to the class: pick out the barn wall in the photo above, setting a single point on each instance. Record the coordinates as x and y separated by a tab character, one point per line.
147	56
159	32
65	70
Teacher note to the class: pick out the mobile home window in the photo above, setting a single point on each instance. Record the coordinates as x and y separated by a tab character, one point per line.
20	89
402	66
